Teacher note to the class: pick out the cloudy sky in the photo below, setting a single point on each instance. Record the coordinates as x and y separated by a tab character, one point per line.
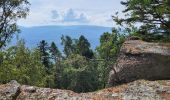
71	12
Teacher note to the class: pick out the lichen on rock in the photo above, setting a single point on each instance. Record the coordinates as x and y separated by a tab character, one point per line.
137	90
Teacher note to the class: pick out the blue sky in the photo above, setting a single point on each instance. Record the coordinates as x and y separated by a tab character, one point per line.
71	12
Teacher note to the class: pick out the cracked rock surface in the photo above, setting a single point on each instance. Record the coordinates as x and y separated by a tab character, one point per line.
141	60
137	90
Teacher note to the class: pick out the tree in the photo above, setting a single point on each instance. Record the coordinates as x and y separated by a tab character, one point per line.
10	12
56	55
44	50
83	47
110	44
68	44
23	65
55	51
152	17
79	74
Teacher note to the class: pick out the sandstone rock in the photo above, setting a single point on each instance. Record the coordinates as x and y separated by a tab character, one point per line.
141	60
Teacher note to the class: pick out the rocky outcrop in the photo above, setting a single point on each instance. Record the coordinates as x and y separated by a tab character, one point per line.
137	90
141	60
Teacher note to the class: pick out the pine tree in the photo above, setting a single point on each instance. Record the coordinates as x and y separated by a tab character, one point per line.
83	47
151	16
44	50
69	47
56	55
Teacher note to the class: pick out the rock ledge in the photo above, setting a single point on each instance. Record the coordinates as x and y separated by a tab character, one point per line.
137	90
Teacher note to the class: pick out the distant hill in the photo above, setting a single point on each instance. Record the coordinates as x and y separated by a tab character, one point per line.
33	35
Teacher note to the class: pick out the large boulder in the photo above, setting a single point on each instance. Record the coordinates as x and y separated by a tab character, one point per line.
141	60
9	91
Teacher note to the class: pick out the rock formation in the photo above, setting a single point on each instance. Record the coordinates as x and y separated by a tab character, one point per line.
137	90
141	60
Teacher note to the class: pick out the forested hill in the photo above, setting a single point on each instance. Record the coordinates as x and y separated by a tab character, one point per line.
32	35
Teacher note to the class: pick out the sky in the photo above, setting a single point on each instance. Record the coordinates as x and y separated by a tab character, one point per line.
71	12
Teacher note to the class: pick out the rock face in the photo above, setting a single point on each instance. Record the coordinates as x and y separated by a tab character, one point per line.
141	60
137	90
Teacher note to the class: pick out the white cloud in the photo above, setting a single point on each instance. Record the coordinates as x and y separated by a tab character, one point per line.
58	12
69	17
55	14
72	16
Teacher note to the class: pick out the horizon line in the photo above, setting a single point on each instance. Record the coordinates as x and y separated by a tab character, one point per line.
63	26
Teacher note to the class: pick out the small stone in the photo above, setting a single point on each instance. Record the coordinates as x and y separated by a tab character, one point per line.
115	94
14	82
29	89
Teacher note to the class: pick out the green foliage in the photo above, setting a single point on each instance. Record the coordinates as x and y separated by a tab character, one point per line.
11	11
44	49
20	64
110	44
78	69
54	50
83	47
56	56
79	74
77	46
68	44
152	17
108	50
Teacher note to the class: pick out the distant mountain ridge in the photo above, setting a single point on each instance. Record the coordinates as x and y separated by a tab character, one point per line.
33	35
